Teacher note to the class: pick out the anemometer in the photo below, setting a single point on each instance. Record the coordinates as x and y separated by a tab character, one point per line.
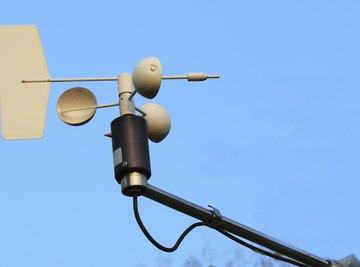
24	92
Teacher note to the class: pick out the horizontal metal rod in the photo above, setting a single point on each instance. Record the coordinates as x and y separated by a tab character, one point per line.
233	227
177	77
101	79
92	107
104	79
174	77
213	76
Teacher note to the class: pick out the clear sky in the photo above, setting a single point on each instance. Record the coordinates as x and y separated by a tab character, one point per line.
273	144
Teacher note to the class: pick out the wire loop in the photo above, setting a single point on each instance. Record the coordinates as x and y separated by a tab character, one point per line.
152	240
212	224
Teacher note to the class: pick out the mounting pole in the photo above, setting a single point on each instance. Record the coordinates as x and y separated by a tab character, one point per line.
243	231
233	227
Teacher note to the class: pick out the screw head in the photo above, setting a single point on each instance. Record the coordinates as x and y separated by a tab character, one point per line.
124	164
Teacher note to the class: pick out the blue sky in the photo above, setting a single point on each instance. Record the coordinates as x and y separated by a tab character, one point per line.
273	144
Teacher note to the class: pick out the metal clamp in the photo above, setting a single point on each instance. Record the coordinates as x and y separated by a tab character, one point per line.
216	217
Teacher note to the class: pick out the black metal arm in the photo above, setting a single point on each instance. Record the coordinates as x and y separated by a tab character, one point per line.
243	231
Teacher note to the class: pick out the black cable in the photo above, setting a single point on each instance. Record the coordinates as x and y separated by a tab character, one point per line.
259	250
225	233
152	240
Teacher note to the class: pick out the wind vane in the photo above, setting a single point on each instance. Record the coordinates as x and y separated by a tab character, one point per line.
24	92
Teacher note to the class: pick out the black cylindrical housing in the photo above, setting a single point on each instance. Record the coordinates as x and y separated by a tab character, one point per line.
130	146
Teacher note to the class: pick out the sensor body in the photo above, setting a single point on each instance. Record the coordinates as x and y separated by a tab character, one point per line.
131	153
